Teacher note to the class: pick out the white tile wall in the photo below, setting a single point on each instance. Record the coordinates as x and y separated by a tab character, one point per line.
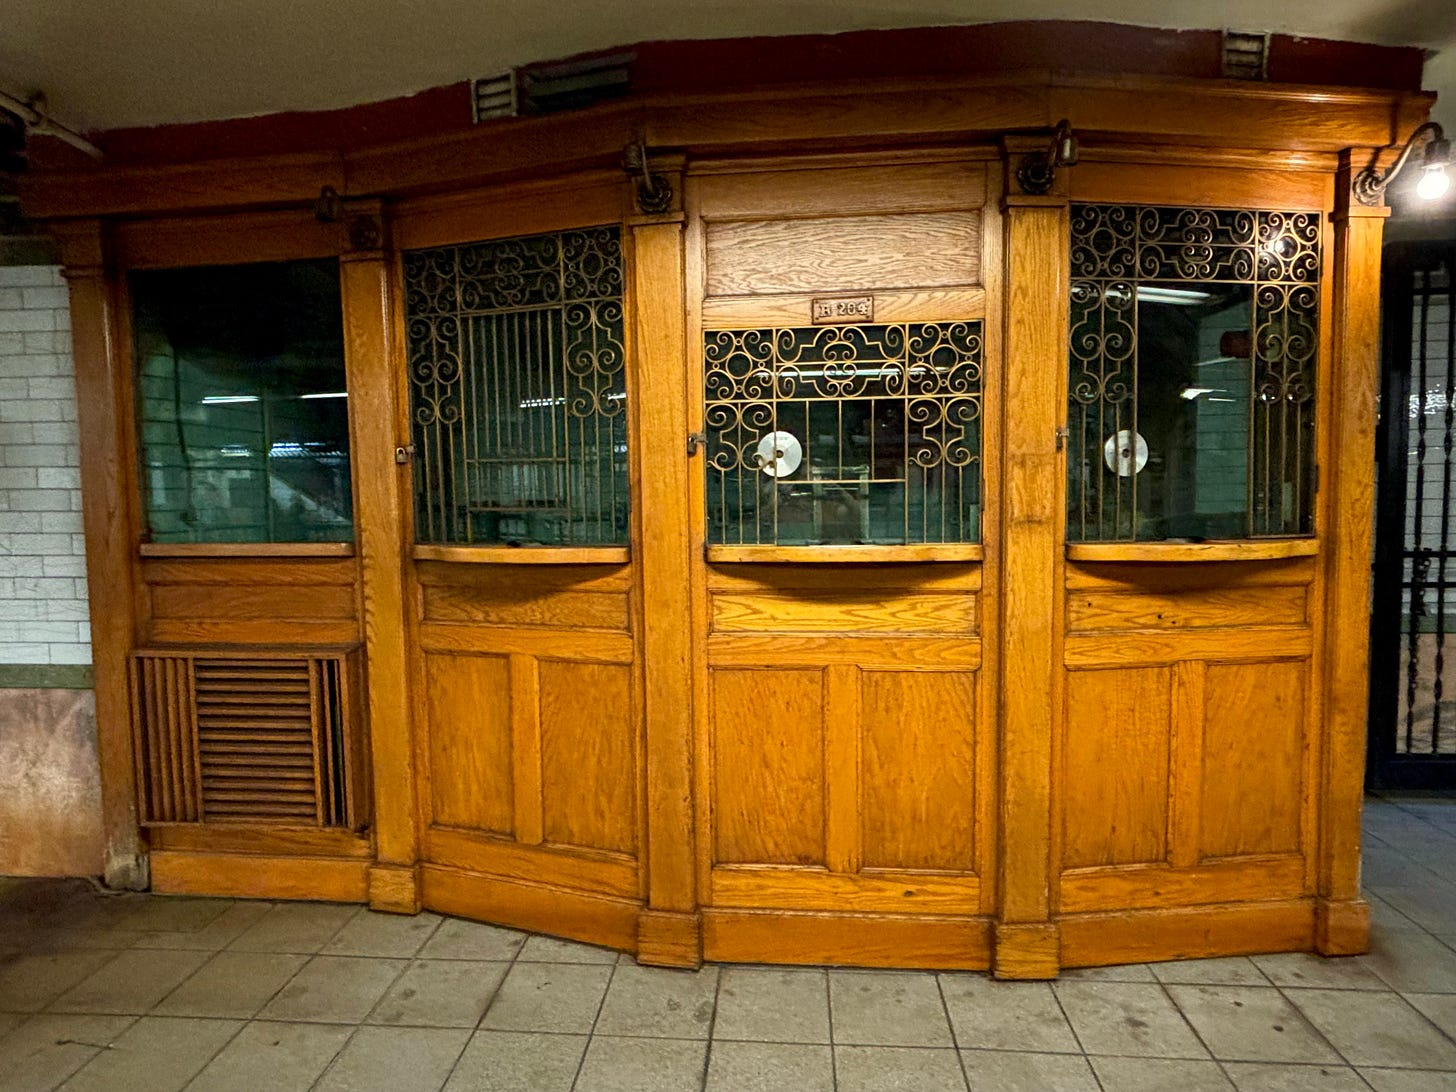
43	617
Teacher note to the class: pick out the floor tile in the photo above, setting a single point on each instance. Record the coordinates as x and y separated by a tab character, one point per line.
440	993
769	1067
232	984
174	914
1131	972
1127	1018
155	1054
457	939
1376	1029
1266	1077
1385	918
990	1015
1438	1008
1159	1075
216	934
397	1059
132	982
513	1061
1233	971
334	989
1301	970
9	1021
767	1005
558	997
1011	1071
276	1057
294	927
46	1049
659	1003
539	949
875	1008
897	1069
1408	1080
1412	962
641	1065
31	982
1251	1024
1392	868
375	934
1428	904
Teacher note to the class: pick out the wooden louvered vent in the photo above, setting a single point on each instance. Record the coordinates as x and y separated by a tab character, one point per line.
245	738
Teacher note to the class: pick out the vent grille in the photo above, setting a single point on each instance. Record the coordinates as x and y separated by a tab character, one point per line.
246	739
495	97
1245	56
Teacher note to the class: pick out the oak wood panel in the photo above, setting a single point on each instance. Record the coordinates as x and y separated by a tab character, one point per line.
254	602
768	766
527	208
269	841
1094	940
254	876
561	866
1253	758
174	241
505	580
857	940
838	186
1191	577
905	652
1114	767
740	887
1151	886
843	613
208	631
597	646
843	766
843	254
278	572
524	555
525	727
891	305
1132	647
918	800
1155	183
245	550
527	605
831	579
1187	553
1094	611
588	755
468	731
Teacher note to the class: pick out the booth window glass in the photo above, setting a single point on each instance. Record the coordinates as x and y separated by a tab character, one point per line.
824	435
1194	334
518	390
242	408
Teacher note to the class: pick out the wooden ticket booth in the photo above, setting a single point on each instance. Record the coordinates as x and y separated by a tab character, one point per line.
836	529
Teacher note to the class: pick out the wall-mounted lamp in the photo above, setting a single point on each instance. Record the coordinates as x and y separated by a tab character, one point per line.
1369	185
1037	170
654	194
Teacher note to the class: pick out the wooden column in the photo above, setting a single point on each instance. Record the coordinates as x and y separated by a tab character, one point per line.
108	505
375	430
1352	383
669	931
1032	487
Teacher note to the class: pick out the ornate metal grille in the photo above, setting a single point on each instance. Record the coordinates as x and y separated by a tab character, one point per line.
844	434
1171	308
518	390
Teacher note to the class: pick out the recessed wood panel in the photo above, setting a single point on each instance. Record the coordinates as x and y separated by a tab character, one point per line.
1253	742
468	707
1114	768
768	767
843	253
526	605
818	613
1091	611
588	755
917	770
254	602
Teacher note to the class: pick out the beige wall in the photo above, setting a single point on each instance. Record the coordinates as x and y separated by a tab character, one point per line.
50	800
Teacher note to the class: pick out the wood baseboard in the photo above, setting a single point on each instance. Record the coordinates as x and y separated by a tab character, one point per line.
1341	927
558	911
1152	936
1027	950
851	940
394	889
669	939
254	876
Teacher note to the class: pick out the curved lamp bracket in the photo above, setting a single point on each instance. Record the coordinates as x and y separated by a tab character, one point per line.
1038	169
1370	184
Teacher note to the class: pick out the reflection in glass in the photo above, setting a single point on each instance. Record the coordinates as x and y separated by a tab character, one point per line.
241	403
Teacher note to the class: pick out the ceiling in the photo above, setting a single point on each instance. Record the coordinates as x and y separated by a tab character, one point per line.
107	64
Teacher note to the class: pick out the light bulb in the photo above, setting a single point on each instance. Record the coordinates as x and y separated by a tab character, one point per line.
1433	184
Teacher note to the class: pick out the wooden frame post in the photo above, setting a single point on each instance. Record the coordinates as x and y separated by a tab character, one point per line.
109	517
1027	943
366	275
1342	918
669	929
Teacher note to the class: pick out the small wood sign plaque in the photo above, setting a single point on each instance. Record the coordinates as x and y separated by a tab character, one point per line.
838	310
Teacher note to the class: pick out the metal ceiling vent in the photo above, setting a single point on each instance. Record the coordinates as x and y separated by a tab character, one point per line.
1245	56
553	87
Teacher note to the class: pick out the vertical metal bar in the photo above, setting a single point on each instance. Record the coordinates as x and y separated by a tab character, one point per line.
1450	421
1418	560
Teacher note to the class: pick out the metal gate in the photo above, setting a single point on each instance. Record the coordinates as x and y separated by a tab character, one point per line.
1413	621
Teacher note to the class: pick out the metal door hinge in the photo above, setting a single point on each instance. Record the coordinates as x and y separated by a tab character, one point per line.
1062	434
403	455
695	441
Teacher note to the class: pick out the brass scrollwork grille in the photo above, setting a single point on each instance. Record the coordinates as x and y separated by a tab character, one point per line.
1194	337
518	390
844	434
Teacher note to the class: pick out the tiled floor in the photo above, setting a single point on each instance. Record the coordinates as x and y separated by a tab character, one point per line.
127	992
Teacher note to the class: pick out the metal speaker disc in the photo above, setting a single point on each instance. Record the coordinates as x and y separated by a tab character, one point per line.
779	454
1125	453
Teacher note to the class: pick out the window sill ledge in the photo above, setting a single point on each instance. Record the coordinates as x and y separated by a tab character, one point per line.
525	555
863	554
1224	550
246	549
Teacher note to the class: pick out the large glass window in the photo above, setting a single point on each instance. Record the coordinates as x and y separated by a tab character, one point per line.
518	390
1194	334
844	434
241	403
